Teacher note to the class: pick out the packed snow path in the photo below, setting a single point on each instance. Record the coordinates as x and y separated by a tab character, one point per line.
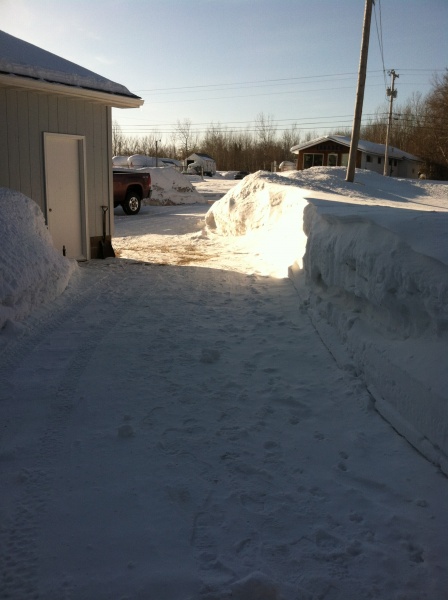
182	433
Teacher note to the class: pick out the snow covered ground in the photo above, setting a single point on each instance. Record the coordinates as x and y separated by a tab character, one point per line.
174	432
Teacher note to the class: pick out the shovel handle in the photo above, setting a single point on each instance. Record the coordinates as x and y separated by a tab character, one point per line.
105	209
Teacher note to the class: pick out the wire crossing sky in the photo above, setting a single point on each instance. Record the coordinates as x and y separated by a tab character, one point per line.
224	62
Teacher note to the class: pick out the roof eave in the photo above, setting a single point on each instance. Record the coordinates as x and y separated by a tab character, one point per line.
298	147
38	85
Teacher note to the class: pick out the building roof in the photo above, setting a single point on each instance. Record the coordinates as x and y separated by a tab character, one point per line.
363	145
25	65
206	156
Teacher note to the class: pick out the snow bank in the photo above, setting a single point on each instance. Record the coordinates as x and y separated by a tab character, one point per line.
374	276
269	214
171	187
258	201
139	161
388	304
32	272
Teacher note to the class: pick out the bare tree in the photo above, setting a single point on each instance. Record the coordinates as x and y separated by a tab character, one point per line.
435	130
118	139
290	138
266	133
186	137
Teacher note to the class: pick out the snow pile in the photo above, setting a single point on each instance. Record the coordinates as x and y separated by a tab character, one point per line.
171	187
32	272
269	215
256	201
375	272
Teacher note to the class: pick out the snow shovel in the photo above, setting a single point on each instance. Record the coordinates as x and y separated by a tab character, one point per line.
105	249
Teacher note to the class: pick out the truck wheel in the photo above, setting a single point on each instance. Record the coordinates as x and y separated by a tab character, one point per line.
132	203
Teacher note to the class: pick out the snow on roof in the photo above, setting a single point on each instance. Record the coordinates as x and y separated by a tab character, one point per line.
363	145
206	156
18	57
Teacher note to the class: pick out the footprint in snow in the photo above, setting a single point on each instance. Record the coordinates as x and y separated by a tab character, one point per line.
126	431
209	355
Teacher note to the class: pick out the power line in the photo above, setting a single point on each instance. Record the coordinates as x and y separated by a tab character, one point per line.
271	82
282	93
318	121
248	82
248	86
379	32
294	120
235	130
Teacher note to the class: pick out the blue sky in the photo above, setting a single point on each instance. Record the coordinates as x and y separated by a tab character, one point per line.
227	61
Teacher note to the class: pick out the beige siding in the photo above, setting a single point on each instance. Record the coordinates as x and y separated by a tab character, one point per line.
12	139
25	116
4	154
90	159
37	190
23	129
71	116
109	178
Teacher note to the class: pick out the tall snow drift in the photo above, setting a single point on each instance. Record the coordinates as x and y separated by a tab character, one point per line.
32	272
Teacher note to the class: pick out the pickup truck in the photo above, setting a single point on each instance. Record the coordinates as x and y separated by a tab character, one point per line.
130	187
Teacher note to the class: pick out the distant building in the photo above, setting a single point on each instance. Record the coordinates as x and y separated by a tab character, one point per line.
207	163
333	151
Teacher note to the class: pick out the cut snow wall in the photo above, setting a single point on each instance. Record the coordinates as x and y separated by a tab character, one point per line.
388	304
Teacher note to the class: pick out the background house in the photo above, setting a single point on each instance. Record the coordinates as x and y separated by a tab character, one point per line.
56	132
207	163
333	151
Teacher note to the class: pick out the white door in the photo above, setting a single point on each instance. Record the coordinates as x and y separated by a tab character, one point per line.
65	193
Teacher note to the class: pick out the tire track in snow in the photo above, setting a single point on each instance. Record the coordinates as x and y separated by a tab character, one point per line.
19	538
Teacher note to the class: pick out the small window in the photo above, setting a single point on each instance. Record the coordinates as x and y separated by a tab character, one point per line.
379	160
368	158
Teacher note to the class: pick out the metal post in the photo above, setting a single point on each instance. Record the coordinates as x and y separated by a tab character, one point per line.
392	93
157	156
360	91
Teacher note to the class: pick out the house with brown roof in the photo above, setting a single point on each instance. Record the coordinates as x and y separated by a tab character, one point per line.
333	151
56	133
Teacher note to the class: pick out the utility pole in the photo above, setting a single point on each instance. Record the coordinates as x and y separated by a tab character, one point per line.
157	156
391	93
360	91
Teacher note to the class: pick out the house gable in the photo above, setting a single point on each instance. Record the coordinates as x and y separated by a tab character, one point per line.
333	150
325	151
42	94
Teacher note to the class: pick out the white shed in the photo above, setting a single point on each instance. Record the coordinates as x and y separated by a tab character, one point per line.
207	163
56	132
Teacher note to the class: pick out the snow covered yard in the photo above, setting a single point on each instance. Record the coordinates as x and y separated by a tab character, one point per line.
175	432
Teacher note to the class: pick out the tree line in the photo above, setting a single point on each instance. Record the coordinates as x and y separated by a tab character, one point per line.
419	126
